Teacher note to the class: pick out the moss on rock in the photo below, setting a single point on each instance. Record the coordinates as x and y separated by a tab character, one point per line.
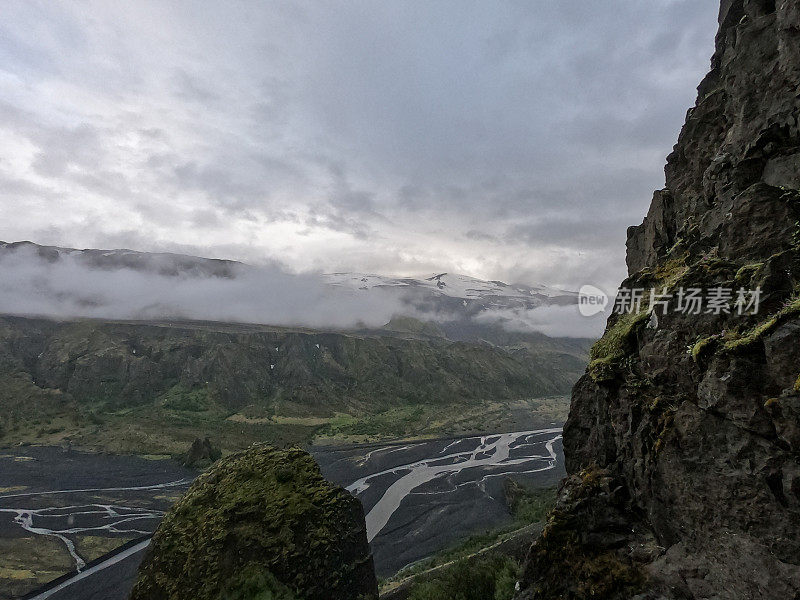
267	519
738	341
704	347
748	273
614	345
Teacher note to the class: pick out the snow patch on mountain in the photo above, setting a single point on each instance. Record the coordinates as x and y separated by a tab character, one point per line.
452	285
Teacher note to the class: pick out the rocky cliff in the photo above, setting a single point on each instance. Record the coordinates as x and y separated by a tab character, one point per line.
684	436
260	524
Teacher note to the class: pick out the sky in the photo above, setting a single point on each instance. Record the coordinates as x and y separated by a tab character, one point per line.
508	140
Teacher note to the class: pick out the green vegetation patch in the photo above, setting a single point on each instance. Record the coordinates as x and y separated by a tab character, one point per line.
735	341
568	568
145	389
663	413
732	340
533	505
746	274
255	583
614	343
27	563
395	422
704	346
495	569
670	272
489	578
179	397
90	547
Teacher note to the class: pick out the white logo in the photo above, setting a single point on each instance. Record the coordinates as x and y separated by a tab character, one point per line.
591	300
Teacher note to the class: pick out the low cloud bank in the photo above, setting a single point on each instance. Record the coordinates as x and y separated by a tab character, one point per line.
31	285
148	287
555	321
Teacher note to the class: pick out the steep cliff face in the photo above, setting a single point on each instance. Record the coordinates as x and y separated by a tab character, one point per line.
260	524
684	436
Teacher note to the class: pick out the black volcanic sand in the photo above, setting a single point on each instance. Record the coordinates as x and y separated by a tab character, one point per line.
79	496
53	478
441	512
47	468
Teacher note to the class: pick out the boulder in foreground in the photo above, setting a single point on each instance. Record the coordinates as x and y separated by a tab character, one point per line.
260	524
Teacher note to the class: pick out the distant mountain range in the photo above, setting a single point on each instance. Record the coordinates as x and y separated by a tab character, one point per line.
163	263
441	297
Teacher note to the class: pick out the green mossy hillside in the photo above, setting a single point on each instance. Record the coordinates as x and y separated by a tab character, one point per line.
153	388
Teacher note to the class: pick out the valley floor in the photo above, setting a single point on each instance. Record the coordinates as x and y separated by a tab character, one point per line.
155	431
60	509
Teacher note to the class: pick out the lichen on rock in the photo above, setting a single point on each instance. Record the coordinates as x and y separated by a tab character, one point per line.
261	524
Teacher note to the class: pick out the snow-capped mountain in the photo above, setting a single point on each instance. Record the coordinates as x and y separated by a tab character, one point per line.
452	291
453	286
72	280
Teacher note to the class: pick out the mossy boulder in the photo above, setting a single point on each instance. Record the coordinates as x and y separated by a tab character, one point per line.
260	524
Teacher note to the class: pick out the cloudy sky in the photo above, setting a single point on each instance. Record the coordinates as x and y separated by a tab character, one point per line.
511	140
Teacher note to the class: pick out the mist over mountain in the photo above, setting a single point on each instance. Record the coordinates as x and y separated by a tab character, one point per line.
127	285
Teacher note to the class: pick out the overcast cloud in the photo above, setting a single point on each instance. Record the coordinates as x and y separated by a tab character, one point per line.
511	140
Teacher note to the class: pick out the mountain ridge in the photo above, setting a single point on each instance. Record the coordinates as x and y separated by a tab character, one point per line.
154	387
123	258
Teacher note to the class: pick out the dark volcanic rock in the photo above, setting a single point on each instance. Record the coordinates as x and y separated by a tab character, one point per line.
683	439
261	522
201	454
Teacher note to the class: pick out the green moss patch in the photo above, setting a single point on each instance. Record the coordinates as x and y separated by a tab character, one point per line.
704	346
255	583
489	578
267	513
179	397
746	274
602	369
578	572
670	272
615	344
736	341
561	561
